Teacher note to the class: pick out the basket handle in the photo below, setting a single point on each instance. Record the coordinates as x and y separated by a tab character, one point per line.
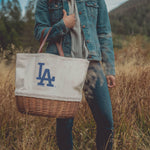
42	43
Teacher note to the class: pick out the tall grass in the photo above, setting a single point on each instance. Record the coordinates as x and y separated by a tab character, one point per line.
130	101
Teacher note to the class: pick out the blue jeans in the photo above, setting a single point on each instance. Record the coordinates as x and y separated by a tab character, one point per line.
97	95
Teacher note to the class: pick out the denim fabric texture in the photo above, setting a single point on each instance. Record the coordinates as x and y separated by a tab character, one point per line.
96	29
94	22
98	98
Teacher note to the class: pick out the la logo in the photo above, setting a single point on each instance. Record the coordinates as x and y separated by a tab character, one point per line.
45	77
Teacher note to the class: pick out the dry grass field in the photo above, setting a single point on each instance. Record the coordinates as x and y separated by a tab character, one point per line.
130	101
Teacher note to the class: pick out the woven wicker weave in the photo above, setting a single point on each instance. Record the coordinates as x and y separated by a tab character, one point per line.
48	108
45	107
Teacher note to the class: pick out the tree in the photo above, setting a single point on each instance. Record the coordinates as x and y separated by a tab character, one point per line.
10	23
27	38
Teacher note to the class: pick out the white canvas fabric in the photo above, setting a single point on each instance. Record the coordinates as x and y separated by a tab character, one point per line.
50	76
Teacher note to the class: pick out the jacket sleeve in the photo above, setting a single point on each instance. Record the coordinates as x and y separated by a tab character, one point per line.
105	39
42	21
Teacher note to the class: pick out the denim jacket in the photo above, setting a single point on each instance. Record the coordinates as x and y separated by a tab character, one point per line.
94	22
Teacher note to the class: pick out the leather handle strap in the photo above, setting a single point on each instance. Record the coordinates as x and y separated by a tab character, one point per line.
42	43
60	49
41	39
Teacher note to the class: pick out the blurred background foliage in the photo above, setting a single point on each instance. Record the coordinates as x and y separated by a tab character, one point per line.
17	30
131	18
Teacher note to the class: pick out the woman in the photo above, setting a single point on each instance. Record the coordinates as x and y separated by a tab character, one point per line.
84	29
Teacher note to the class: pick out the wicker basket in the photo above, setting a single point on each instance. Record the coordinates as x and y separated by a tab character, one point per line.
48	108
41	106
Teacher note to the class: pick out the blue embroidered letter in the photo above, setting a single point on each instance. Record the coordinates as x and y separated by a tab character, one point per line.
40	70
43	77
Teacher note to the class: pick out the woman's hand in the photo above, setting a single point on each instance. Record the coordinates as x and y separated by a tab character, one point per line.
111	81
70	20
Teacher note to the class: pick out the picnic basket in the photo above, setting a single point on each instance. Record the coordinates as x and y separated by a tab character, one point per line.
56	90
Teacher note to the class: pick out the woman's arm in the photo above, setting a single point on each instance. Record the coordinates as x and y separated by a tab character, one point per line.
42	22
105	38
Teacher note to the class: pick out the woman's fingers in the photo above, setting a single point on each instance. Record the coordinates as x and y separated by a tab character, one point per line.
64	12
70	20
111	81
